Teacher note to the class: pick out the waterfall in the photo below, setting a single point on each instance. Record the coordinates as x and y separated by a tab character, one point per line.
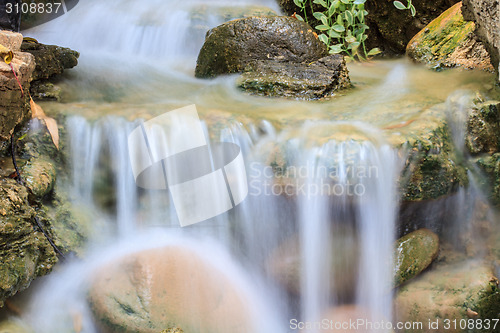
332	201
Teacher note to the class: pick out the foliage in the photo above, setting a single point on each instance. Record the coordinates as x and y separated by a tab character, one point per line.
342	27
399	5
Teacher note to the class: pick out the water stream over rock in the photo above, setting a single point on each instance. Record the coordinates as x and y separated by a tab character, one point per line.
313	240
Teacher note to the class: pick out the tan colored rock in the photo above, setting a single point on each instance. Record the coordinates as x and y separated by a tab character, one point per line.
14	106
170	287
451	291
449	41
11	40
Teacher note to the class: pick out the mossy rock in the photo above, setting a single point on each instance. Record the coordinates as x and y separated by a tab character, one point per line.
39	175
230	47
448	41
414	253
309	81
24	252
483	128
461	291
490	180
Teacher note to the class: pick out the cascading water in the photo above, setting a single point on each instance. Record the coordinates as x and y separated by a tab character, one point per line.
314	238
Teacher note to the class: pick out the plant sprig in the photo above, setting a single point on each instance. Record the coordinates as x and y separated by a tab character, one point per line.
399	5
342	27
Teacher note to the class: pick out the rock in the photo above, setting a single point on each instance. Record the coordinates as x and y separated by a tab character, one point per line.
39	176
50	60
451	291
11	40
486	14
166	288
390	29
449	41
414	253
285	264
308	81
24	253
14	107
230	47
490	184
483	128
41	90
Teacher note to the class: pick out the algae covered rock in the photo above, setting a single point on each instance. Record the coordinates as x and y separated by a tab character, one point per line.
449	41
24	253
167	288
309	81
414	253
39	175
483	128
50	60
460	291
230	47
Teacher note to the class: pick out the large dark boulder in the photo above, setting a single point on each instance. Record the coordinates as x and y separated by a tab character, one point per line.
486	15
230	47
308	81
390	29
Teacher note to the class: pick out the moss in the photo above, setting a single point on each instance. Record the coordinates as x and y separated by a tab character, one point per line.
414	253
440	38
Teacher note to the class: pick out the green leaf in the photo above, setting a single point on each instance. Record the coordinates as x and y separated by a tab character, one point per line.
338	28
399	5
334	34
298	3
298	17
340	20
336	4
349	17
332	10
373	52
353	46
361	16
322	27
22	137
351	39
323	38
413	10
345	1
318	15
337	48
321	2
359	2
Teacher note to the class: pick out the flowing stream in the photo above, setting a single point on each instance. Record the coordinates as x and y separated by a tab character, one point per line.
137	62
